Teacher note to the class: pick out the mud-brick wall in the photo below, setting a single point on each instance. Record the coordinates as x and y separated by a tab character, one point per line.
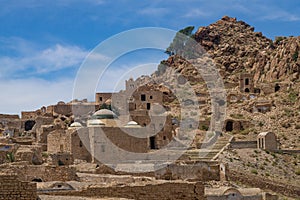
12	188
162	191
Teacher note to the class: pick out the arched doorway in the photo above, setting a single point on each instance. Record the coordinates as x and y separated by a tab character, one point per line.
229	126
247	90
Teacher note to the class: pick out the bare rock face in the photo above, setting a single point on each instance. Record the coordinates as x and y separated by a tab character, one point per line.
235	47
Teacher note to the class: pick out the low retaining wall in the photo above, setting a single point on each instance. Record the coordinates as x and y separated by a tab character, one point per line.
151	191
265	184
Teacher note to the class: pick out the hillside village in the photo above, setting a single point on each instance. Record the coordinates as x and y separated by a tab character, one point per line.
66	149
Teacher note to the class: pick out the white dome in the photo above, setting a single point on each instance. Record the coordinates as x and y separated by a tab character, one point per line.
132	124
75	124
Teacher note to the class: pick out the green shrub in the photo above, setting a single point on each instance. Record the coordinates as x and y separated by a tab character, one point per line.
254	171
295	56
293	96
237	116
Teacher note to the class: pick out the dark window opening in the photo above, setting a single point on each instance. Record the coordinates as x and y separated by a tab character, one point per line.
229	126
60	163
143	97
29	125
67	158
100	98
59	186
164	138
151	97
257	90
191	126
152	142
247	90
38	180
80	144
148	106
277	88
247	81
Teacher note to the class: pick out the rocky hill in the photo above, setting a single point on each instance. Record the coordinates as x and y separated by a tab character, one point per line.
235	48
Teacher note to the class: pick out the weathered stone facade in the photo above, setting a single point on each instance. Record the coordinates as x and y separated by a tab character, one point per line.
12	188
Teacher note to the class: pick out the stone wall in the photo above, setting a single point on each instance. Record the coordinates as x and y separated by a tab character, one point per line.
44	173
204	171
60	159
5	116
263	183
243	144
12	188
151	191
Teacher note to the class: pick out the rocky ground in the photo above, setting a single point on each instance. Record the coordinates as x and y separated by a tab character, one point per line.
275	166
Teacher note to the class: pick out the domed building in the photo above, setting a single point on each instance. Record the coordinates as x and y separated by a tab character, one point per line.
103	117
104	114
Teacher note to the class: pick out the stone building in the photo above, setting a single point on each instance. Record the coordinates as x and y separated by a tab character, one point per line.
262	106
246	83
267	141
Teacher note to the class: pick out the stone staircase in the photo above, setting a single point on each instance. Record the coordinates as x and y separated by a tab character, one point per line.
207	154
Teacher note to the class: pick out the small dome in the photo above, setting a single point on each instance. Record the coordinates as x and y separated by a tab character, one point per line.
75	124
95	122
104	114
132	124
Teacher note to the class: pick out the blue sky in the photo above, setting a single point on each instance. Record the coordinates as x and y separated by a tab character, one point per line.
43	43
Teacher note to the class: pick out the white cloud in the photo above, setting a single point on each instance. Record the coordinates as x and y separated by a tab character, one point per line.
31	94
153	11
196	13
30	59
280	15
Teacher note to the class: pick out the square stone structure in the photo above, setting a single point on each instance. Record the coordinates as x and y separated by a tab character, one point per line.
267	141
246	83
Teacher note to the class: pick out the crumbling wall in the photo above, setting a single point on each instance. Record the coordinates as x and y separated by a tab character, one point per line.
203	171
151	191
12	188
43	172
263	183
